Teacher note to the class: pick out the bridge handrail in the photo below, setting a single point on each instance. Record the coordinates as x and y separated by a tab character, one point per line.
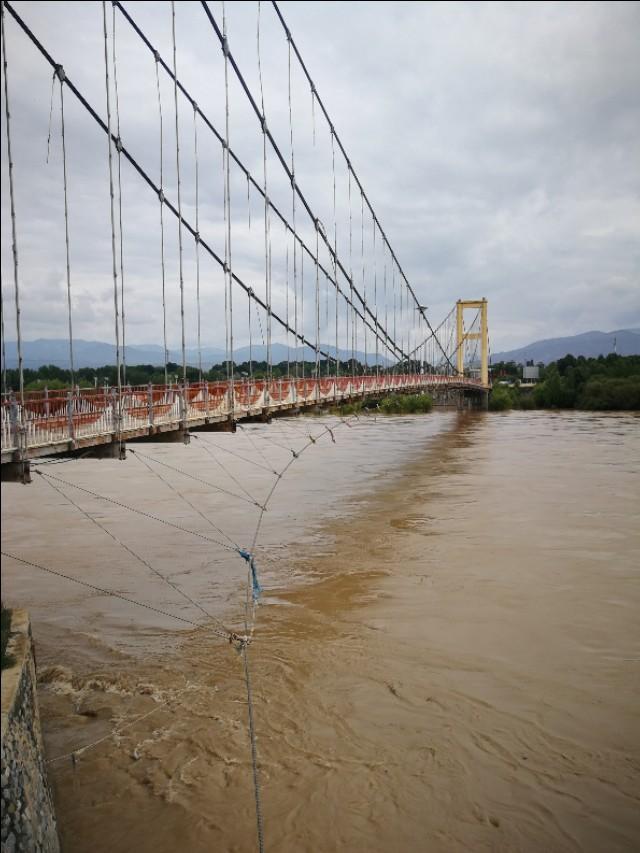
66	415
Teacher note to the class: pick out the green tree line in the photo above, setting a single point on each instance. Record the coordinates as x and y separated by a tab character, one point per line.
58	378
610	382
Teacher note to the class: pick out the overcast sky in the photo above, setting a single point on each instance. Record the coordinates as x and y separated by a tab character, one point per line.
498	143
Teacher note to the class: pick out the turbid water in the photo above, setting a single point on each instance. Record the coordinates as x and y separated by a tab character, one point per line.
446	657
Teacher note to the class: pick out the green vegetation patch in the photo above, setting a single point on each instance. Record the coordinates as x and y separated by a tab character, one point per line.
406	404
606	383
502	398
394	404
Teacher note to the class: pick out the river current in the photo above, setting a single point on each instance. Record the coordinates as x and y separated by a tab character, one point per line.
446	654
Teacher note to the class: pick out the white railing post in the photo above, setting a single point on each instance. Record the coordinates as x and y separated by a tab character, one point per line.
70	415
14	422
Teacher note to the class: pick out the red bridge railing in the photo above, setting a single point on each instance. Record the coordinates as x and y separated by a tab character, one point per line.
60	417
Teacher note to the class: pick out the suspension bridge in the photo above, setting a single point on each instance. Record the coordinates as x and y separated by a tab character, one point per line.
258	232
307	269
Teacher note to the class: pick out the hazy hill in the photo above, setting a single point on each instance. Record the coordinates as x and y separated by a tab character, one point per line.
97	354
588	344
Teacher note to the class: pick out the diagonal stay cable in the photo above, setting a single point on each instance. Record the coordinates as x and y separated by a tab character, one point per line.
250	500
185	499
111	593
237	455
250	600
268	440
327	430
433	334
247	432
135	555
139	511
229	474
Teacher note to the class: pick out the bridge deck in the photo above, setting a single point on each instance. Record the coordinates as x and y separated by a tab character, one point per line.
60	421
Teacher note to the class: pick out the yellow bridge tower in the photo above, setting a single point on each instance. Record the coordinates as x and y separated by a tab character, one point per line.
482	335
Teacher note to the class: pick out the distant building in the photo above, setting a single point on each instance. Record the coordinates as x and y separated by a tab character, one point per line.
530	374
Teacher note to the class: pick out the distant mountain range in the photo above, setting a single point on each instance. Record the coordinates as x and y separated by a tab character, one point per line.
588	344
98	354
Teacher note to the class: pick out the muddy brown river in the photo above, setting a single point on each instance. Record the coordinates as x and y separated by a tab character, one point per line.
446	653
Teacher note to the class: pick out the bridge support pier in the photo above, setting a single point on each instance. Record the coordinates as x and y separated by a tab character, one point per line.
172	436
110	450
222	425
16	472
473	401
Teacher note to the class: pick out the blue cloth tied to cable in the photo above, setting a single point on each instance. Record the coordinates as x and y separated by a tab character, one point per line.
256	589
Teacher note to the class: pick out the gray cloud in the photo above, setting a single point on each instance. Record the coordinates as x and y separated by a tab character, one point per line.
497	142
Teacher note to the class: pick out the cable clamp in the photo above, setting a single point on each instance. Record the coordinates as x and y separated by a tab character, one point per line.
263	122
196	236
240	643
225	267
59	73
195	106
119	145
156	55
161	196
225	46
294	186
